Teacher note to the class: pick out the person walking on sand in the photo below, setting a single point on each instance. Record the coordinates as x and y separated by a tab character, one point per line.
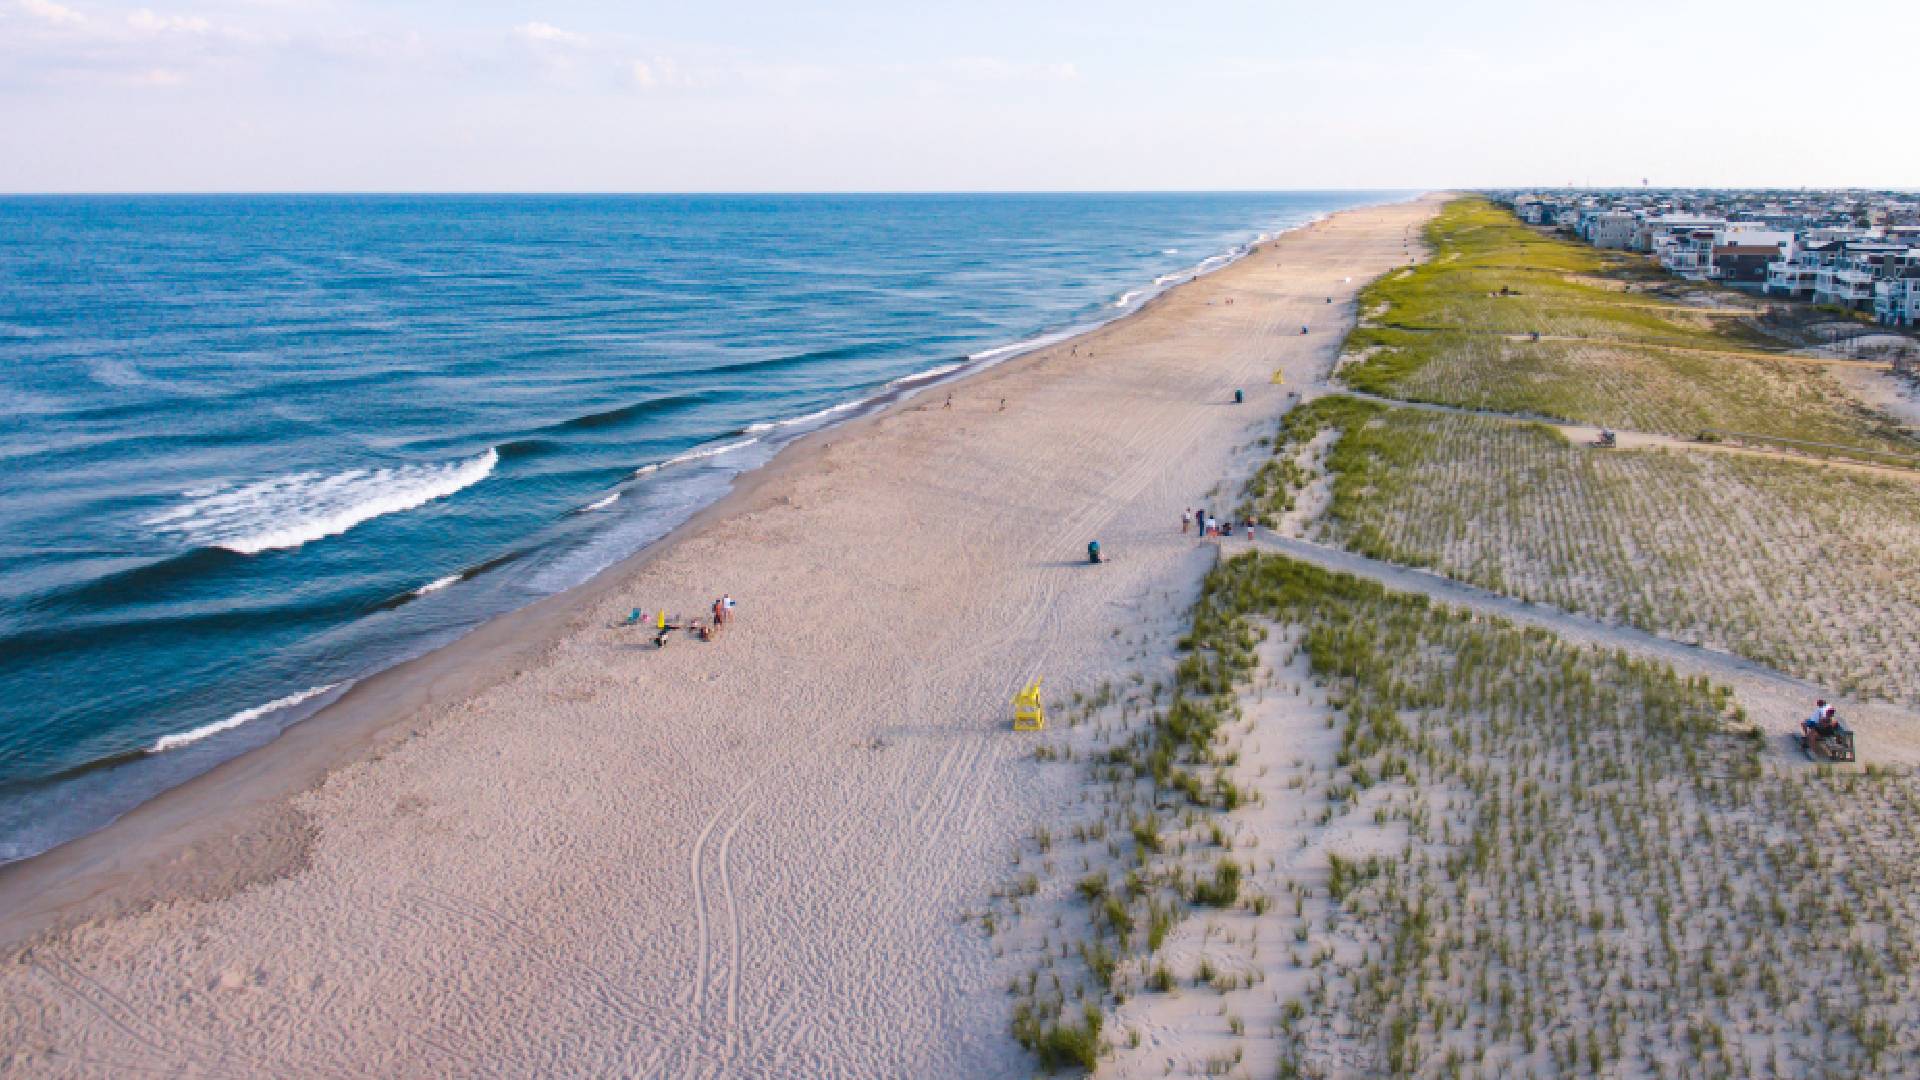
1186	519
726	605
719	614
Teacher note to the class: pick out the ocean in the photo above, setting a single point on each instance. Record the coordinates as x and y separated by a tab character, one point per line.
256	448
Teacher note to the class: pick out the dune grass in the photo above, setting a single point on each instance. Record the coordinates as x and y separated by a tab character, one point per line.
1812	571
1438	333
1596	871
1599	873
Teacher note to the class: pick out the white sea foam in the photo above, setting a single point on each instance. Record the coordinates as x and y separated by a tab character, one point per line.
999	351
1170	251
601	504
794	421
695	455
437	584
288	511
1128	297
931	373
174	742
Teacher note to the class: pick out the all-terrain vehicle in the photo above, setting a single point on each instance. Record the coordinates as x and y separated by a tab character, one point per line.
1832	741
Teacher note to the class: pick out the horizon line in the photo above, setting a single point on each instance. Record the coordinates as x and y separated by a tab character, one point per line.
592	193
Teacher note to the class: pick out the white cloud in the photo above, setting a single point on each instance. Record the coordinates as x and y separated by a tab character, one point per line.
154	23
48	11
540	33
995	69
659	72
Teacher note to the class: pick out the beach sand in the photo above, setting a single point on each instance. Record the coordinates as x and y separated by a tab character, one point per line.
554	849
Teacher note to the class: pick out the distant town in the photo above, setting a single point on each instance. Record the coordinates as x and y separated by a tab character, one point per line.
1858	250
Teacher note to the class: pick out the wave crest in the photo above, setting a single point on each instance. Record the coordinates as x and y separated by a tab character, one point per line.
186	738
288	511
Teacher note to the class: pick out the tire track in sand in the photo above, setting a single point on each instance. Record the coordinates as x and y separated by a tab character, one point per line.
114	1010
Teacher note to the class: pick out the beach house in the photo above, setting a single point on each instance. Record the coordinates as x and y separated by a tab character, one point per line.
1896	297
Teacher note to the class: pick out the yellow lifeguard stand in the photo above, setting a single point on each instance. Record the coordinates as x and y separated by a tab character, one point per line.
1028	713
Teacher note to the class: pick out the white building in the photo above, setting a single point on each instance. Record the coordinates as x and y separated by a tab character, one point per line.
1612	229
1847	281
1896	300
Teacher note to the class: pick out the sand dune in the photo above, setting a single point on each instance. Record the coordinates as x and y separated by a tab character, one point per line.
555	849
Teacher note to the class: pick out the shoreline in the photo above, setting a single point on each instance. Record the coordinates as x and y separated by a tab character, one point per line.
362	714
694	829
287	711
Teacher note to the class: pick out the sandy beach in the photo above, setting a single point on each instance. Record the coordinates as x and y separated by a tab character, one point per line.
555	849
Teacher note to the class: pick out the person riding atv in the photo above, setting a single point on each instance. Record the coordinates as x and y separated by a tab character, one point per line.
1607	440
1822	735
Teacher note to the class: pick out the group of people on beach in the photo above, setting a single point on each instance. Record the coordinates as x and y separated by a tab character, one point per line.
663	627
1208	527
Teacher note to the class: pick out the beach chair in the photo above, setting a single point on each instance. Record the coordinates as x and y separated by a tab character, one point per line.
1028	713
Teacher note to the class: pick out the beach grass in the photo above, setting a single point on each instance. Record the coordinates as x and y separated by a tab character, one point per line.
1812	571
1613	351
1581	862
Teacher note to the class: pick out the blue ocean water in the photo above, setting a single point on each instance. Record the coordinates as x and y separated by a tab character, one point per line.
255	448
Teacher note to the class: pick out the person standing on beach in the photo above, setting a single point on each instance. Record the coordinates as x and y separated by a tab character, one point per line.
1186	519
719	614
726	605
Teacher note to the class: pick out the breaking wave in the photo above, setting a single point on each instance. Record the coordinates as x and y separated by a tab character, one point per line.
186	738
288	511
695	455
437	584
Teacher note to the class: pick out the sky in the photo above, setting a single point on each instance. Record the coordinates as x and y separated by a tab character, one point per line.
865	95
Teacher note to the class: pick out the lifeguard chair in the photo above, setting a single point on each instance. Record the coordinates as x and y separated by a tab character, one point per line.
1028	713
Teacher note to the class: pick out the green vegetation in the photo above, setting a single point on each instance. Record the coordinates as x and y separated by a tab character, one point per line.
1443	332
1812	571
1539	859
1599	874
1060	1045
1551	286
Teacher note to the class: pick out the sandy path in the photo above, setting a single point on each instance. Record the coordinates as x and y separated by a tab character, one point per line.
746	858
1773	700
